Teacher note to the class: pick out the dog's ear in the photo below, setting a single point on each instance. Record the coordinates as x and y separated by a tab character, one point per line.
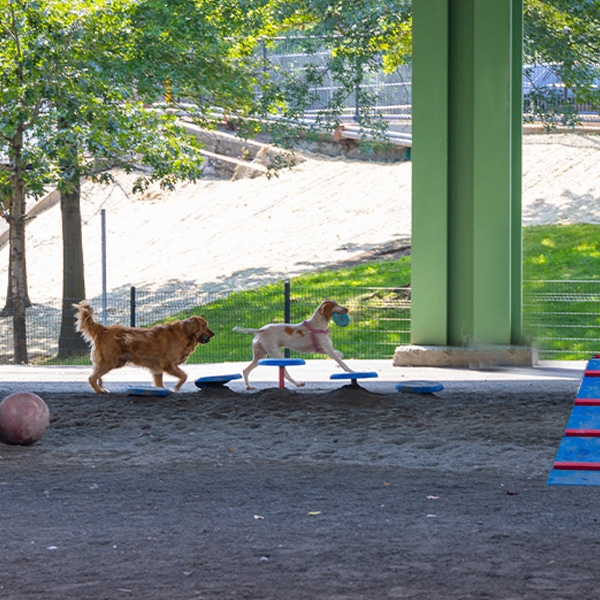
198	326
326	308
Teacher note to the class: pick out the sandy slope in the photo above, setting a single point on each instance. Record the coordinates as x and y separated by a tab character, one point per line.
228	235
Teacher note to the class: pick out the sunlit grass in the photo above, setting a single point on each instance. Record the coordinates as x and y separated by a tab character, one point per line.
563	320
378	316
561	252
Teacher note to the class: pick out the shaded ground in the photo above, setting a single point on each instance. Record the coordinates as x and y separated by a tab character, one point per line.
281	494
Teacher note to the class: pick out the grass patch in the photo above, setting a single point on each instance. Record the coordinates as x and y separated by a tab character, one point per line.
561	252
374	292
561	297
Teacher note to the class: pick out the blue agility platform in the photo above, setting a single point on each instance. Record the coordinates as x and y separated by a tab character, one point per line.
215	381
143	391
282	363
577	460
419	387
354	376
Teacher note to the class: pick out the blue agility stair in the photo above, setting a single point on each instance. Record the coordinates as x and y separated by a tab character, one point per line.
577	460
282	363
215	381
145	391
419	387
354	376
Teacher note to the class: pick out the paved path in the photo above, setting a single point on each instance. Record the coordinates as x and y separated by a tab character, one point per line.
315	373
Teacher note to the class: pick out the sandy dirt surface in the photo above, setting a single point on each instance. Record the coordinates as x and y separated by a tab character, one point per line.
334	494
225	235
327	494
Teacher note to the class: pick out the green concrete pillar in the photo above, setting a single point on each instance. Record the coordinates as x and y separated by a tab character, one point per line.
466	224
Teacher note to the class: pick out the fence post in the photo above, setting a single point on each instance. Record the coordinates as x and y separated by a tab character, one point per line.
132	306
104	297
263	47
287	310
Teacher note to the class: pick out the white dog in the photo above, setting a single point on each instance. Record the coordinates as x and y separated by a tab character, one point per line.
307	337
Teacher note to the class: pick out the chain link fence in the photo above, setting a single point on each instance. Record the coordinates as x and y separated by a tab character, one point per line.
562	318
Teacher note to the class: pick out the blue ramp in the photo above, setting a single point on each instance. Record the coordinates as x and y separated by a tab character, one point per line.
577	460
589	388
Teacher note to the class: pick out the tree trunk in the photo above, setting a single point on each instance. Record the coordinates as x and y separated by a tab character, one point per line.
18	267
17	237
9	307
70	343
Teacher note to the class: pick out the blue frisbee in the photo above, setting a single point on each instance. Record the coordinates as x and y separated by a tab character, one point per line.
341	319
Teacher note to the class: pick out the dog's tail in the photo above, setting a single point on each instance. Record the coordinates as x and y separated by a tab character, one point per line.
85	324
244	330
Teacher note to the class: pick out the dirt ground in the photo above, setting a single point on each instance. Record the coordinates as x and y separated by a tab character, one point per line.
283	494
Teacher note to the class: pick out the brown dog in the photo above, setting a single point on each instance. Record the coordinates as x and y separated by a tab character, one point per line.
161	349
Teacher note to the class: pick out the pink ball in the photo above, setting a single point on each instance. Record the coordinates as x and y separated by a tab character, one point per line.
24	418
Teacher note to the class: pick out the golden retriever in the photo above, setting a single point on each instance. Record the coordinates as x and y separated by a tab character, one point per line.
161	349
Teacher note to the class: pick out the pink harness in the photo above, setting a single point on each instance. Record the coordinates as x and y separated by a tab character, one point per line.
313	337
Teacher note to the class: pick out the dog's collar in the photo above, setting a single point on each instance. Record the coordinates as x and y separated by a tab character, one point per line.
313	337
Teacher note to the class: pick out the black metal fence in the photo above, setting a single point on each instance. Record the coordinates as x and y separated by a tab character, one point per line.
561	319
380	320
